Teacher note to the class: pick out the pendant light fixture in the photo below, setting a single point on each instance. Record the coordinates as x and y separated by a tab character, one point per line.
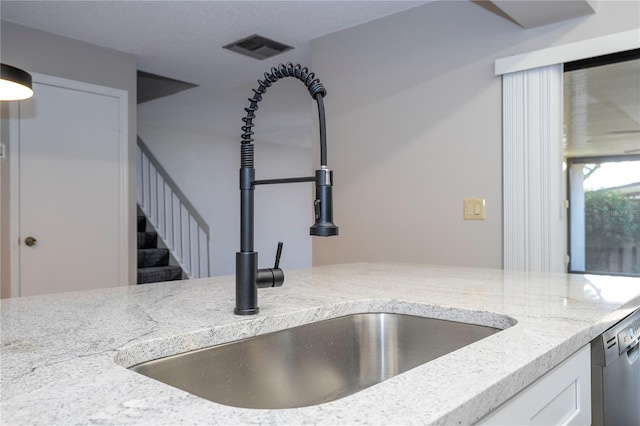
15	84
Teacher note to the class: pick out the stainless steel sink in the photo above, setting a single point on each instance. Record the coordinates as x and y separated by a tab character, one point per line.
313	363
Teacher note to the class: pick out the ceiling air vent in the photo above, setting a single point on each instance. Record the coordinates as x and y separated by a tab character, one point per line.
258	47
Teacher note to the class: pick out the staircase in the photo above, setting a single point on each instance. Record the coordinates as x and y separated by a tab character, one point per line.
153	261
167	210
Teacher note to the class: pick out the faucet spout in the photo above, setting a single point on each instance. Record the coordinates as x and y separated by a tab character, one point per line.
248	277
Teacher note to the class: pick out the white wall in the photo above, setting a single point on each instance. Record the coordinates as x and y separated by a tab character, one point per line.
45	53
414	126
196	137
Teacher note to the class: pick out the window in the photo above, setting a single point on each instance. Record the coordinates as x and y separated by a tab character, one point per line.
602	154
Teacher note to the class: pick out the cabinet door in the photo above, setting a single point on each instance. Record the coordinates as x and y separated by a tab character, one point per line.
70	186
560	397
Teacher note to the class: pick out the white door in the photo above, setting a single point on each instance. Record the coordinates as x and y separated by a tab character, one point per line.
70	191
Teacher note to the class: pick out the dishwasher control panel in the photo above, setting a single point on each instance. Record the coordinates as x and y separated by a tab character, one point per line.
617	340
629	336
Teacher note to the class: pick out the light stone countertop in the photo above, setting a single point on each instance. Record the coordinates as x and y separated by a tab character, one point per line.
63	355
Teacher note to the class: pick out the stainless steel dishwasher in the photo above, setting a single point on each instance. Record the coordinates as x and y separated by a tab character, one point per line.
615	374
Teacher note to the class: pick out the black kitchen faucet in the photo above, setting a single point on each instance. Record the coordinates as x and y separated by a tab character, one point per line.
248	277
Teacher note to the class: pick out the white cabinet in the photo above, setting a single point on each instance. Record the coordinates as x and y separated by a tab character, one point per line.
560	397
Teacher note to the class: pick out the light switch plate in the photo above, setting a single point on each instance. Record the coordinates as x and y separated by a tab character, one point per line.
473	209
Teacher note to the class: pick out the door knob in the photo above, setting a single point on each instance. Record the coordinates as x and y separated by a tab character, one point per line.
30	241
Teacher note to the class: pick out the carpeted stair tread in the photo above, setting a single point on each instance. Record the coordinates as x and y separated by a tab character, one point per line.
153	257
159	274
147	240
153	262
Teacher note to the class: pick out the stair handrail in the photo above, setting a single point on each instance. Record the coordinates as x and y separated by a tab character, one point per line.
169	211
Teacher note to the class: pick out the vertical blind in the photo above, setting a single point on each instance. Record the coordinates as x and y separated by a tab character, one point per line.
533	186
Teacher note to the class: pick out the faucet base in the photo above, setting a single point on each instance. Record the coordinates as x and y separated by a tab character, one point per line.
246	288
252	311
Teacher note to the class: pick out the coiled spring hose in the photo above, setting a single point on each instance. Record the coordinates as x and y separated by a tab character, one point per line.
317	91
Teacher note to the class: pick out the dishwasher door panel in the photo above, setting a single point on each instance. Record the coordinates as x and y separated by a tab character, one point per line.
615	374
622	390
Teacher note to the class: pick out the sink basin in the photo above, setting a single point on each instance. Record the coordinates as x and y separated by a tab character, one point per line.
313	363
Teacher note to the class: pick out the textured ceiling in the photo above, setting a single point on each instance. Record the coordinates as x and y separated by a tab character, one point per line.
183	39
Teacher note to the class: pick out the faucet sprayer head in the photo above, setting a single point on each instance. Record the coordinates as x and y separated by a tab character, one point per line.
323	205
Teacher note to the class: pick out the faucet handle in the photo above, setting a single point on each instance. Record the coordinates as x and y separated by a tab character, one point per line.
278	254
271	277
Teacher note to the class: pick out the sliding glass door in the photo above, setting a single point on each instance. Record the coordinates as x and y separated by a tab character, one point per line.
602	157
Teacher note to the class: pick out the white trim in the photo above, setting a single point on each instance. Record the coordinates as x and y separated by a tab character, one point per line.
14	199
123	98
14	132
583	49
